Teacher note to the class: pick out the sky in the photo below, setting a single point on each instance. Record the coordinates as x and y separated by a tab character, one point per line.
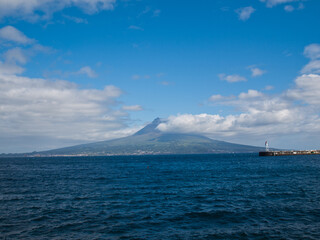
79	71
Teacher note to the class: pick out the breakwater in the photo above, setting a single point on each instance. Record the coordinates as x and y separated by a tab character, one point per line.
286	153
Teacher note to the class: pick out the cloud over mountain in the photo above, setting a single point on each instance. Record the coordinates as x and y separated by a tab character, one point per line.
294	111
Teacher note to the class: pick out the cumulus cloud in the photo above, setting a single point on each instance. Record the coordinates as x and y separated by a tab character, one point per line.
87	71
312	67
307	89
291	114
312	51
36	9
256	72
250	123
11	34
39	114
250	94
260	115
232	78
245	13
59	110
18	52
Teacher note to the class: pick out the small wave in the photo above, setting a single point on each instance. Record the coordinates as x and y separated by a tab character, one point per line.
210	215
39	219
78	198
100	178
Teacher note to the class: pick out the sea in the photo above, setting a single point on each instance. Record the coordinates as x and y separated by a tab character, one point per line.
222	196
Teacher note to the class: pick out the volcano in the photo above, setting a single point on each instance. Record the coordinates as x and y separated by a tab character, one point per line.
151	141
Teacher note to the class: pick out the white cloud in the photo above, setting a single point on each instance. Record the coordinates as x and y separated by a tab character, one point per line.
232	78
312	67
272	3
256	72
312	51
9	33
307	89
216	97
35	9
245	13
260	116
253	122
284	117
9	68
15	55
59	110
289	8
250	94
132	108
87	71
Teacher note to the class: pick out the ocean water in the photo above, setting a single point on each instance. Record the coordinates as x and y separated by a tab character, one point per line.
225	196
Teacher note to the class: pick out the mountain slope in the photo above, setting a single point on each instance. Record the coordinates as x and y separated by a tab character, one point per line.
150	140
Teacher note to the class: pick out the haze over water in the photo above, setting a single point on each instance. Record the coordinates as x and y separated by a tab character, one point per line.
228	196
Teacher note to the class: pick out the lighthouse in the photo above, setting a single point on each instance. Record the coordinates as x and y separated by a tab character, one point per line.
267	146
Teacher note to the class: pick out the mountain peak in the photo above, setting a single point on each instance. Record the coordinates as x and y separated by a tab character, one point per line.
150	140
151	127
157	121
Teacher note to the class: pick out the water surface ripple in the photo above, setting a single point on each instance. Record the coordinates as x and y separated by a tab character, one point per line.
225	196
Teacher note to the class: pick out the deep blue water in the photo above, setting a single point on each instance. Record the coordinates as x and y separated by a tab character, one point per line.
240	196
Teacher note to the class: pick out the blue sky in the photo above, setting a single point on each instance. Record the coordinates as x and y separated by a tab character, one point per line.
82	71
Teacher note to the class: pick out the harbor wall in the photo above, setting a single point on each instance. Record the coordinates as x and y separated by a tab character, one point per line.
285	153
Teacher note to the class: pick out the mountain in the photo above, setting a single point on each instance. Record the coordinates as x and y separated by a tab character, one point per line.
149	140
